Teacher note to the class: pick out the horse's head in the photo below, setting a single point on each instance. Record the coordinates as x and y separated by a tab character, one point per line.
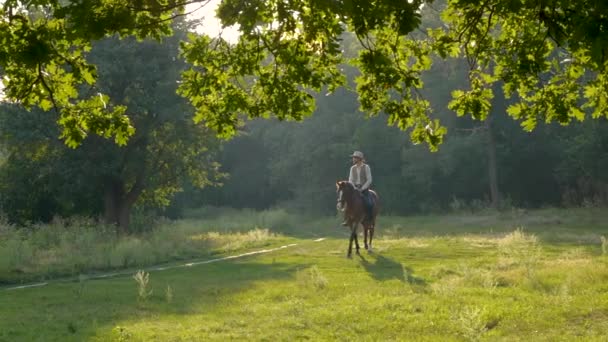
344	189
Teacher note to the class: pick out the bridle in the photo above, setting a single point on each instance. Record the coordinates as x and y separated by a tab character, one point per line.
340	187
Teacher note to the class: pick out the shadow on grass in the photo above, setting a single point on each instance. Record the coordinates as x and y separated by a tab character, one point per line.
79	310
384	268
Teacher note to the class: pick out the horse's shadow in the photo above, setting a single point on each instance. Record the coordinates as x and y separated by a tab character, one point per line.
386	269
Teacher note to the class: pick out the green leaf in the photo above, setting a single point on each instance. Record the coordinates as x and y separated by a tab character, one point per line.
515	110
45	104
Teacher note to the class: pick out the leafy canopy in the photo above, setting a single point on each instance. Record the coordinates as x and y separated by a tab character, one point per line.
549	56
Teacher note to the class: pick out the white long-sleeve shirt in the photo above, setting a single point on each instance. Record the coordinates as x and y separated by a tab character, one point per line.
360	175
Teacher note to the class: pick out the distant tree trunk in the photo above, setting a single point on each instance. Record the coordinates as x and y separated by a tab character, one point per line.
118	203
124	217
112	198
492	167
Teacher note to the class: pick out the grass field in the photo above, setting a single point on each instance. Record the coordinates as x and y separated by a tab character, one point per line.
516	276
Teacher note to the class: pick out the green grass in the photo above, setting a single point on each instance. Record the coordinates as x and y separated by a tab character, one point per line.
446	278
69	249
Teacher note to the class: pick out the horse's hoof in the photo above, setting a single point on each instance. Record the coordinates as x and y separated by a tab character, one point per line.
348	256
358	252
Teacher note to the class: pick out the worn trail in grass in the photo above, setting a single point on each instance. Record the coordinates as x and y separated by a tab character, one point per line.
425	284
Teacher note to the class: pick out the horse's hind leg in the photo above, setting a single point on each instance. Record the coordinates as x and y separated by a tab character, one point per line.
356	241
365	237
371	235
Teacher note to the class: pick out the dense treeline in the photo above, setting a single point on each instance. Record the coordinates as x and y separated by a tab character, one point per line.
295	165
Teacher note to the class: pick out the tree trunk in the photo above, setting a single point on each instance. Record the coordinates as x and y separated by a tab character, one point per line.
492	167
124	217
118	204
112	201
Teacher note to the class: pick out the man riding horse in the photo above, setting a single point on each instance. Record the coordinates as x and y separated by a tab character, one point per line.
361	177
358	202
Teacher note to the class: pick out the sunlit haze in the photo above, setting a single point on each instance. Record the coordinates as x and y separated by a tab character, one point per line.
211	25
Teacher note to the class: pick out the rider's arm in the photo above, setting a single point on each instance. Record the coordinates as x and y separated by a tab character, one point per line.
351	175
368	173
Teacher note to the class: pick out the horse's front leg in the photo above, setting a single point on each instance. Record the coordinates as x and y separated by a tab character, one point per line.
350	242
356	237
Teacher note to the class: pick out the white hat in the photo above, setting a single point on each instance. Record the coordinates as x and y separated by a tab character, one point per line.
358	154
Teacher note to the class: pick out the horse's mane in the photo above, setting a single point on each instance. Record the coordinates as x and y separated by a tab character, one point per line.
352	188
347	184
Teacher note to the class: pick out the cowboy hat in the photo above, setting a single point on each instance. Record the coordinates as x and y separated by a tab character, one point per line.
357	154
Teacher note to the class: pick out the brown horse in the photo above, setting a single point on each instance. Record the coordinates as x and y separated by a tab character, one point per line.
351	203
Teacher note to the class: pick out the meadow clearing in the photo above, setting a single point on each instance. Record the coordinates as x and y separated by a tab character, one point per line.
511	276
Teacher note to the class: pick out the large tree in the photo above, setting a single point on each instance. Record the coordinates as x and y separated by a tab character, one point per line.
550	56
166	151
167	148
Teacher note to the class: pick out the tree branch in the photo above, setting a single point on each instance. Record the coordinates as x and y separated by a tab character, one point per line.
46	86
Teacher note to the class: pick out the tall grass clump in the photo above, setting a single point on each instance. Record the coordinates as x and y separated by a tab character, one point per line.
277	220
169	294
16	254
312	277
131	251
477	276
142	279
121	334
520	249
450	281
61	247
229	242
470	323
